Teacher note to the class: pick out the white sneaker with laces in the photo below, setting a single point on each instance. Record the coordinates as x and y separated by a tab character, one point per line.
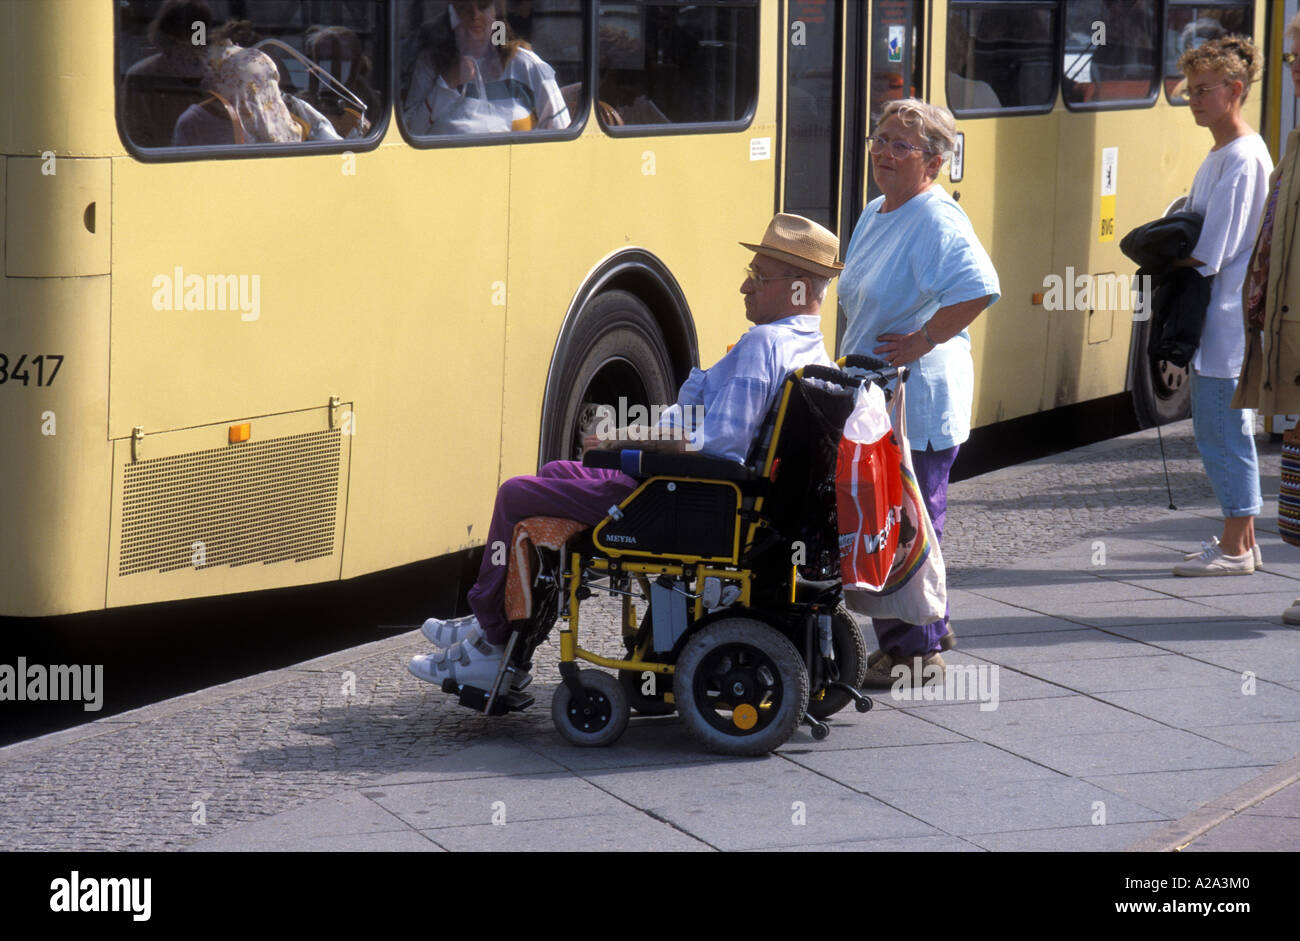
1213	561
1214	541
445	633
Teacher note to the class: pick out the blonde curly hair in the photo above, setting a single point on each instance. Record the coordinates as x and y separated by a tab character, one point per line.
1236	58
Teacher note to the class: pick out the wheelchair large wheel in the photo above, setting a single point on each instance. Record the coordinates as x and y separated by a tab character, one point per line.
741	687
851	659
598	721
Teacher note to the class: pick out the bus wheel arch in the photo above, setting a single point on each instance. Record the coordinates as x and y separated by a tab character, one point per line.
629	334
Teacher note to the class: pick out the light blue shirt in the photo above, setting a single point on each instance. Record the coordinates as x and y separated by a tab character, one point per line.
900	268
737	391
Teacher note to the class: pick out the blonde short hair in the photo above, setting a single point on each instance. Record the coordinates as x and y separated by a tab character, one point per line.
935	124
1235	57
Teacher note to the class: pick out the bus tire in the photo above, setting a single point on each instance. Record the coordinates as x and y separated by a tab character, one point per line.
616	351
1161	392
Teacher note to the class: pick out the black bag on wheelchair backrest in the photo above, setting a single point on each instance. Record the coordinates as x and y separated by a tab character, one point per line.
801	504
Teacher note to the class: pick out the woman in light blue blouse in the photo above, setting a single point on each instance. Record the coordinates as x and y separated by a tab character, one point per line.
915	277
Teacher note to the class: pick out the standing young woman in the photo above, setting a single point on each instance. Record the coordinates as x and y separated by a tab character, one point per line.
1230	190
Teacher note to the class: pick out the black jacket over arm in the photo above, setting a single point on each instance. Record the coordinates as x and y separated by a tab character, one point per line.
1179	296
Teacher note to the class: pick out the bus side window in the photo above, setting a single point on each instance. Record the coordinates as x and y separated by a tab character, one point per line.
471	67
1001	56
1111	52
189	79
1190	24
665	63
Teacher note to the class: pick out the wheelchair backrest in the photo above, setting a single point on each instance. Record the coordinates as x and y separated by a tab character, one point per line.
796	450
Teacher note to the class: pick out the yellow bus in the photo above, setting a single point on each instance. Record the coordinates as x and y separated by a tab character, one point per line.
290	286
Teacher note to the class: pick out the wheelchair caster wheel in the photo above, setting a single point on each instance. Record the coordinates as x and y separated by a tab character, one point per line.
598	718
819	729
864	704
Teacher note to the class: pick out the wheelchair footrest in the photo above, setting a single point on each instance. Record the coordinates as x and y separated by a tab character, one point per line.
471	697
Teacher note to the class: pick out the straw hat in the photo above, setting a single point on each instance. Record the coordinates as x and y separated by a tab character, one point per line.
800	242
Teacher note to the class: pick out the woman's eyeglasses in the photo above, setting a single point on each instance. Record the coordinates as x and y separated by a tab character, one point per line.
899	148
1288	58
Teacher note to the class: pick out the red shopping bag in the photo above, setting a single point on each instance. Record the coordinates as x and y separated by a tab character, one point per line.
868	494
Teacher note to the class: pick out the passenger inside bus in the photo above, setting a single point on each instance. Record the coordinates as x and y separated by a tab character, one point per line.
964	94
245	104
160	87
735	393
465	80
340	51
622	80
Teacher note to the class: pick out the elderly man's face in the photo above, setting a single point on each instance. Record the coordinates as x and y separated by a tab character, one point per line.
772	294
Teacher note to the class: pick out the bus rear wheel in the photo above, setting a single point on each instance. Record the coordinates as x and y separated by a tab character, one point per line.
1161	393
616	357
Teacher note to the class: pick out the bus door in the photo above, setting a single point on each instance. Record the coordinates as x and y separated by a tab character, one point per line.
894	34
813	125
1283	88
1110	87
995	68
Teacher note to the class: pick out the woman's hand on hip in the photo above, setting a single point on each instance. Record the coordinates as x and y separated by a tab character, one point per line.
899	349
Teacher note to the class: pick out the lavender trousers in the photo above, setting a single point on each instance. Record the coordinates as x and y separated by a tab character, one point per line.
898	638
562	488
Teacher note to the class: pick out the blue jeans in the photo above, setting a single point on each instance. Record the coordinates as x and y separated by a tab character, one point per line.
1226	439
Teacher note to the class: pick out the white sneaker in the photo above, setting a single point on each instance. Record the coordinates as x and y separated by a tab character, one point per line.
1214	541
1292	614
471	662
446	633
1213	561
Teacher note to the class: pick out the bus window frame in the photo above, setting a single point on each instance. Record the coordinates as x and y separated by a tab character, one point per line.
965	114
1120	104
1166	67
443	141
742	123
174	154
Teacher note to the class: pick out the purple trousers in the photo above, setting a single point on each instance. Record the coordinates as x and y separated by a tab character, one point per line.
898	638
562	488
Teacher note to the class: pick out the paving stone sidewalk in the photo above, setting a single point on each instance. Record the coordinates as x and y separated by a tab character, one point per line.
1127	700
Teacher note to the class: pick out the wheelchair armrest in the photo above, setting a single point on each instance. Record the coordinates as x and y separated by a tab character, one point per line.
652	464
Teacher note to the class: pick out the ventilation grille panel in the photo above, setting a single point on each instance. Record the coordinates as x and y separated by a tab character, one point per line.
268	501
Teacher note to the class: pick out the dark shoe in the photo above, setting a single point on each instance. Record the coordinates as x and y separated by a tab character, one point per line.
880	676
946	642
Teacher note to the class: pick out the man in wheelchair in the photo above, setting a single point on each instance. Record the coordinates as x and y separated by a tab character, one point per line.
734	548
795	262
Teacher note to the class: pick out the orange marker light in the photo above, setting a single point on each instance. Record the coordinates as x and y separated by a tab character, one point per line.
1036	298
240	433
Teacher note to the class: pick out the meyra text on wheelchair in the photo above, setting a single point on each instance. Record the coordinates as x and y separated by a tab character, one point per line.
744	631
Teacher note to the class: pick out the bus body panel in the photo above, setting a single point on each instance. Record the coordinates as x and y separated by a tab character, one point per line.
355	298
1007	190
59	217
56	60
54	482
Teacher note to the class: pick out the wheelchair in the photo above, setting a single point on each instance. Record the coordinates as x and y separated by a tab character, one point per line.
744	633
